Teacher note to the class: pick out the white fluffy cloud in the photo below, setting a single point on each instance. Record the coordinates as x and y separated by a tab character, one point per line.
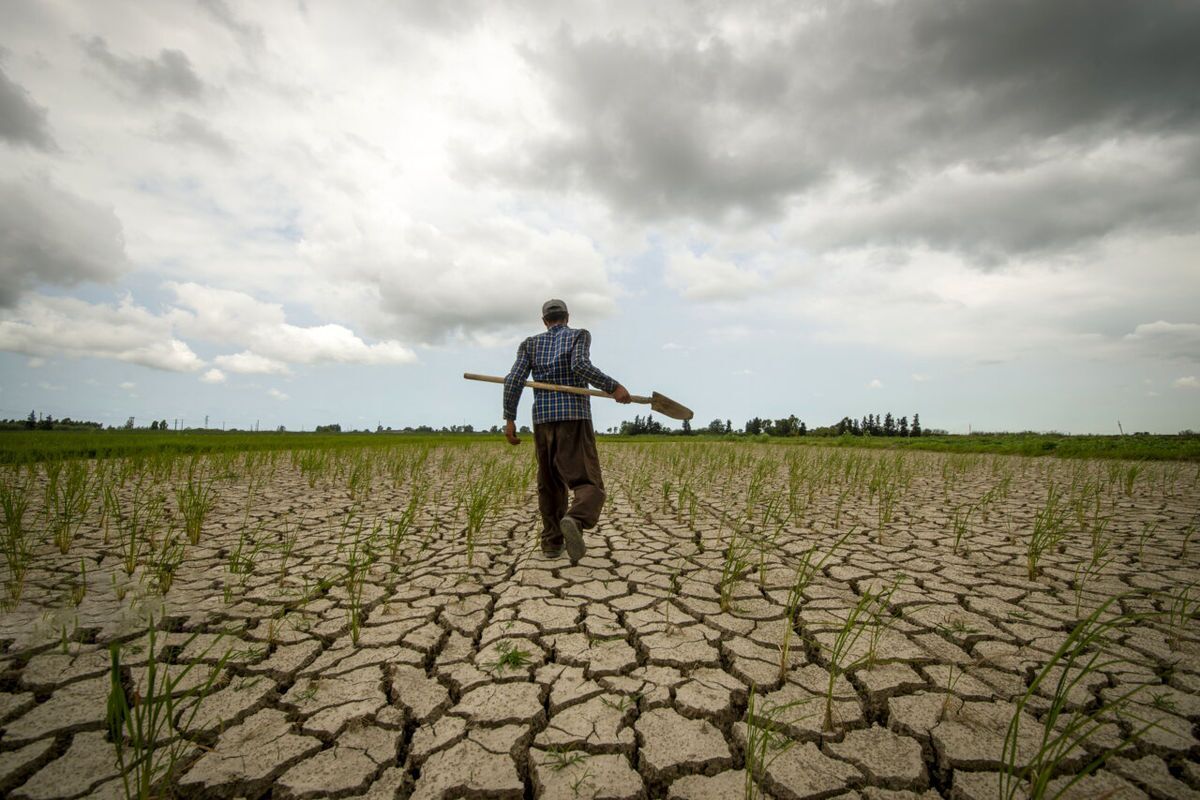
213	376
43	326
1187	382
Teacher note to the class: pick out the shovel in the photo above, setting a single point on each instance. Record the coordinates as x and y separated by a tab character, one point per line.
657	402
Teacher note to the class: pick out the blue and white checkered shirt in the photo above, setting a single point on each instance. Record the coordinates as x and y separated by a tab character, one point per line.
560	355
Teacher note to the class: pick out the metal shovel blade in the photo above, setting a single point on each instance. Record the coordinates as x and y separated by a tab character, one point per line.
665	405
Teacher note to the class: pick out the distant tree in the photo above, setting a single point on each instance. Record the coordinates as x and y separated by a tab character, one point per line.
154	425
31	421
46	423
728	426
904	426
525	429
803	430
129	424
162	426
754	426
687	428
335	427
715	427
281	429
889	425
916	426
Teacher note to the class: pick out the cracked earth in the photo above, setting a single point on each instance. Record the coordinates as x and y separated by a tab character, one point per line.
340	657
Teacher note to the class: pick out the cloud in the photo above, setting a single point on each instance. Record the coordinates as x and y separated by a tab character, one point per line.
43	326
247	363
1167	339
169	75
708	278
421	282
22	121
1187	382
919	378
875	383
275	393
189	130
128	385
213	376
729	114
223	315
50	236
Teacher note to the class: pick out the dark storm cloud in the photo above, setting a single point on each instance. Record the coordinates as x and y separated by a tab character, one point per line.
168	75
690	122
22	121
48	235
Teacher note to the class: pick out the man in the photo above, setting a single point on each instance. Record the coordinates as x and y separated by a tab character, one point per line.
562	428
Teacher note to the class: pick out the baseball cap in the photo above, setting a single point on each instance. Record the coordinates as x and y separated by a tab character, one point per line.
553	306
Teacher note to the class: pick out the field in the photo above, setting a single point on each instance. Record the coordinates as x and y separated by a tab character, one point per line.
750	621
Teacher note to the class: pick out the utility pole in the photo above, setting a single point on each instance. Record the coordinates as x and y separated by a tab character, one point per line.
1122	430
206	422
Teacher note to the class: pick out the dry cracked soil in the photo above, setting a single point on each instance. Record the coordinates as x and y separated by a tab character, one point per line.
342	657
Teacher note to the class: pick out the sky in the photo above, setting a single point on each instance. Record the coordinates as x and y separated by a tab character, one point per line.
301	213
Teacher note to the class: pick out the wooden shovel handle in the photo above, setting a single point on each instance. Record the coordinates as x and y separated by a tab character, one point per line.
554	387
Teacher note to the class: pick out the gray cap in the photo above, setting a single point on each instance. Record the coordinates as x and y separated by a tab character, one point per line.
553	306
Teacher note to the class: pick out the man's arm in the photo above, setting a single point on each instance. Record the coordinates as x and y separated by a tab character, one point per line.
581	365
514	382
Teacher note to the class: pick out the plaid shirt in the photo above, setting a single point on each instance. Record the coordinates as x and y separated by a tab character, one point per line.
560	355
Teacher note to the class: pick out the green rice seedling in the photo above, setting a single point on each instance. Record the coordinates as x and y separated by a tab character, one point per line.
359	559
400	527
480	503
1129	477
53	469
509	657
18	551
145	730
558	760
1048	530
242	559
1089	570
195	500
735	565
764	742
137	520
962	523
1147	532
167	560
288	539
805	572
71	500
1188	532
839	651
837	512
1065	731
880	618
1182	608
951	682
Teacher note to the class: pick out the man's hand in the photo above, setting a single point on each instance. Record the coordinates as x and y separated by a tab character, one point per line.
621	394
510	431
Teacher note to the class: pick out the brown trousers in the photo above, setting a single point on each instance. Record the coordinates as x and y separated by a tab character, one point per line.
567	459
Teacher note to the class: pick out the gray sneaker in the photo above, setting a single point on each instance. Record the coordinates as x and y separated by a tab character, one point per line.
573	537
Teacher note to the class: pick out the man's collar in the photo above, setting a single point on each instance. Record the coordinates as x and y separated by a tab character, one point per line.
557	325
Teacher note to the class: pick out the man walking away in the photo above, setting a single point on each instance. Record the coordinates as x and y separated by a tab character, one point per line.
562	428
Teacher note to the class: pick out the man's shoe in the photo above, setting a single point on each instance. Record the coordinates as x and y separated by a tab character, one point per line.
573	537
552	551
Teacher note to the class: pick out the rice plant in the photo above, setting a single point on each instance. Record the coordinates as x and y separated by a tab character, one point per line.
764	741
71	500
1049	529
805	572
962	523
735	565
1182	609
144	729
839	652
166	561
18	551
195	499
1065	732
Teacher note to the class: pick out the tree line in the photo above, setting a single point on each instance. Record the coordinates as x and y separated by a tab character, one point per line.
869	425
